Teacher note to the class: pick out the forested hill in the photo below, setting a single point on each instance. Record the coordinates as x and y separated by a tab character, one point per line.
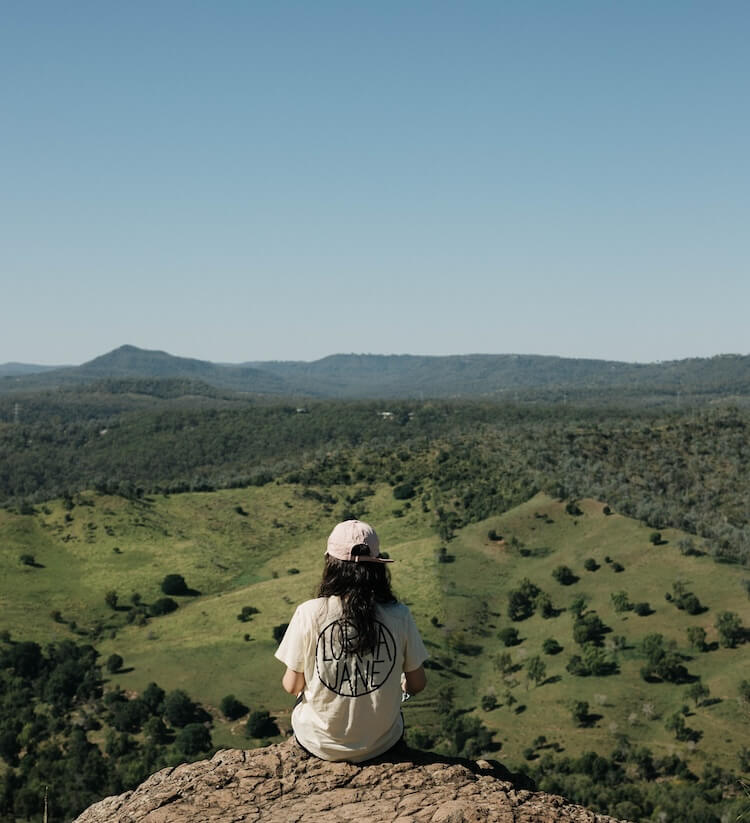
372	375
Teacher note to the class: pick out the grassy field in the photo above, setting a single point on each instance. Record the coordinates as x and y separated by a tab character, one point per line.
236	548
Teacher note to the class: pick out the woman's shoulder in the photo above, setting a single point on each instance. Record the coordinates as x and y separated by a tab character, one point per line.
318	606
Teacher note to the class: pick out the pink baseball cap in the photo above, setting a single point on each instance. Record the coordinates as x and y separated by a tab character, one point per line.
356	541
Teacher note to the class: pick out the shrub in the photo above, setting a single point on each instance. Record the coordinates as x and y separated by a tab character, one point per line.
261	724
404	491
27	559
509	636
174	584
564	576
232	708
247	613
617	567
488	702
164	605
697	637
620	601
642	609
655	538
114	663
580	712
292	571
590	564
689	603
110	598
551	646
543	602
577	667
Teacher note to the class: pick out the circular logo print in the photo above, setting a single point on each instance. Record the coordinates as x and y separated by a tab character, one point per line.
349	674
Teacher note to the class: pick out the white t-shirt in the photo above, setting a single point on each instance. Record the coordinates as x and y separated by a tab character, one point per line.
351	705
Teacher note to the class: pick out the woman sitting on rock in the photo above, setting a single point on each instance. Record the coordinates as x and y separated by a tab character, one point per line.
348	651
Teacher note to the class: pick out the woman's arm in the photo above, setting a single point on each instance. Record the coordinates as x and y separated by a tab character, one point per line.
415	681
293	682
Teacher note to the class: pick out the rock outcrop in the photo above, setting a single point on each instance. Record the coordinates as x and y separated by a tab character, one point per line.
282	784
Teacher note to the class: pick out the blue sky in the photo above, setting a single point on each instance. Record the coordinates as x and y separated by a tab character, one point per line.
274	180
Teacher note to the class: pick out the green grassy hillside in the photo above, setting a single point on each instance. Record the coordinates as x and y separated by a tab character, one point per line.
237	547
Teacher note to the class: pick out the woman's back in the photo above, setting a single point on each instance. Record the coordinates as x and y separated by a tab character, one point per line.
350	707
346	650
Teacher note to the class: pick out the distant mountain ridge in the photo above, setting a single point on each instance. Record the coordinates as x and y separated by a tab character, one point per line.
405	375
17	369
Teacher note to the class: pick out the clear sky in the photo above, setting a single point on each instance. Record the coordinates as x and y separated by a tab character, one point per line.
239	180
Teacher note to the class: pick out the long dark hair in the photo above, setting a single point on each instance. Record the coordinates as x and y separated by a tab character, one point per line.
361	586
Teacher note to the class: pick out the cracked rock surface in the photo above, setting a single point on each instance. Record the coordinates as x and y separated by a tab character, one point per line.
282	784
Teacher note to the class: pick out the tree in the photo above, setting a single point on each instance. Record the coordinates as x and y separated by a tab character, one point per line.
536	669
164	605
232	708
642	609
697	692
110	598
27	559
247	613
551	646
488	702
730	629
655	538
156	731
521	600
675	723
580	713
564	576
590	564
404	491
697	637
578	605
509	636
193	739
179	709
620	601
153	698
589	629
543	603
445	701
174	584
261	724
114	663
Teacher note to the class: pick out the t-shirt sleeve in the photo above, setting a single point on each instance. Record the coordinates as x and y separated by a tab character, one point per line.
291	650
415	653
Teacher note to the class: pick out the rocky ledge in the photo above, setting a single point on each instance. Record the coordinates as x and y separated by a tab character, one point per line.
282	784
